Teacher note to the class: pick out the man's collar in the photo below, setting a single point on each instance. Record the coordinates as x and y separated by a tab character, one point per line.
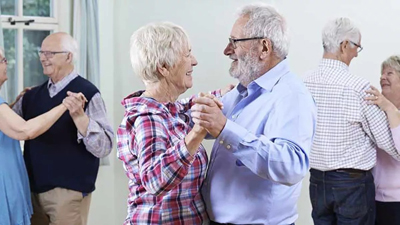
72	74
268	80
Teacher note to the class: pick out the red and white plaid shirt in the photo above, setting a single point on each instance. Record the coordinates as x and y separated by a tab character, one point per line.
164	179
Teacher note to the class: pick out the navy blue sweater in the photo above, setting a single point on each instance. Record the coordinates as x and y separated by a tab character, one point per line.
55	158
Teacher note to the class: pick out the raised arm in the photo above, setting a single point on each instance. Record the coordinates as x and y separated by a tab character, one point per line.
388	107
17	128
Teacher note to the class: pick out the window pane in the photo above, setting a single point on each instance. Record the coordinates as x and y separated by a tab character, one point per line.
33	70
37	8
8	7
10	48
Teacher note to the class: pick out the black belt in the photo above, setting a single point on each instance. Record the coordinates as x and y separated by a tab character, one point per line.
216	223
343	170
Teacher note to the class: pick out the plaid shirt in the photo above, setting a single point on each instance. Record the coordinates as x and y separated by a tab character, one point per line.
164	179
348	129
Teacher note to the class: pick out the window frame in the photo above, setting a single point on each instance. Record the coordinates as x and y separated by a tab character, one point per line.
41	23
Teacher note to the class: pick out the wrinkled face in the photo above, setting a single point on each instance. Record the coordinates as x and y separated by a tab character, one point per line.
390	83
245	66
181	73
54	59
3	70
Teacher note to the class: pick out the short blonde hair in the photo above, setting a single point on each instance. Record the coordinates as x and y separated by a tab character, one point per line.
392	62
156	44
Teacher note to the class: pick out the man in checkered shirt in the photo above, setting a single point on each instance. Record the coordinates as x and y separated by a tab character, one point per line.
342	188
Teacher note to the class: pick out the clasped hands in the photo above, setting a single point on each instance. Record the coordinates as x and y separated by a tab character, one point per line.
207	113
75	103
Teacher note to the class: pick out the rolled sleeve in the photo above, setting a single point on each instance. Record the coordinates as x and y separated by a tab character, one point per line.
99	135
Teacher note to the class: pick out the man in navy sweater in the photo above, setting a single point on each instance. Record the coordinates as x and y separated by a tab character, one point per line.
63	163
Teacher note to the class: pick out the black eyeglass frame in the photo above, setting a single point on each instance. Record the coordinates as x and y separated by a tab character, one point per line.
50	53
360	48
233	41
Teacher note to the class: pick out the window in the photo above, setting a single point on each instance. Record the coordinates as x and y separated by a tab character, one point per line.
23	39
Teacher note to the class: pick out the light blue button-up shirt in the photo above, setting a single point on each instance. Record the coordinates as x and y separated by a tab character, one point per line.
261	156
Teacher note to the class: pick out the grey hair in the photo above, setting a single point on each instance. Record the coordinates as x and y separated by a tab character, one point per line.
70	44
337	31
2	54
392	62
154	45
265	21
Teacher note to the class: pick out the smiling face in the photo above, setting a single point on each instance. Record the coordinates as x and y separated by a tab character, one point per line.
54	64
390	82
246	65
181	73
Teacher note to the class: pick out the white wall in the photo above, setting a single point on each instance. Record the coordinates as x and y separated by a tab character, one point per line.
208	24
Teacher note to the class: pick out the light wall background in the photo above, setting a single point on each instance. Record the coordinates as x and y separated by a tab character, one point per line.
208	23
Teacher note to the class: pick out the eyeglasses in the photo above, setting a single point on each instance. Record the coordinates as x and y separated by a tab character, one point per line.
4	60
50	54
234	40
359	48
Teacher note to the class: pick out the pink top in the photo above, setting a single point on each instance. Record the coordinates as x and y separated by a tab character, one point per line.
387	173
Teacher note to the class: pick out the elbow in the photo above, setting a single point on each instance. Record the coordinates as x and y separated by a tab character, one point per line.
26	134
289	176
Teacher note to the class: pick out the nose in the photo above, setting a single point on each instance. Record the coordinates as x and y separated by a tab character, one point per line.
383	76
42	57
194	61
228	49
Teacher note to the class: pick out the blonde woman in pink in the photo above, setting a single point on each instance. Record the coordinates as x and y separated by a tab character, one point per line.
387	169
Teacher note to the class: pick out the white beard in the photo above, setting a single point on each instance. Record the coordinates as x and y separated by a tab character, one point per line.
247	69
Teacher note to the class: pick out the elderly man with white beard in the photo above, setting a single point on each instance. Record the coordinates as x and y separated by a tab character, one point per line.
265	130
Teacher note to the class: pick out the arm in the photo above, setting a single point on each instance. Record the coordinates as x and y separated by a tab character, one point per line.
17	128
188	102
93	126
391	111
162	165
375	124
280	152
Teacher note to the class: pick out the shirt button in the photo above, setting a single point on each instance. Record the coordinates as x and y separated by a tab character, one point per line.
221	142
228	147
233	117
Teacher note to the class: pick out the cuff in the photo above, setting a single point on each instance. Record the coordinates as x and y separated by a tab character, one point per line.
90	129
232	136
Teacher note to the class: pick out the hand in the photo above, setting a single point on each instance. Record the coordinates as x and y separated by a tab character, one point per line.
227	89
20	96
377	98
75	103
214	98
22	93
208	115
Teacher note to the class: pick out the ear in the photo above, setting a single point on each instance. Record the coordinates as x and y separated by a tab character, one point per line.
69	57
163	70
266	48
344	46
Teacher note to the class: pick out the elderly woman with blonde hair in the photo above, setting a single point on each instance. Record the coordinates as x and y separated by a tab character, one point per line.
15	203
387	170
161	151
